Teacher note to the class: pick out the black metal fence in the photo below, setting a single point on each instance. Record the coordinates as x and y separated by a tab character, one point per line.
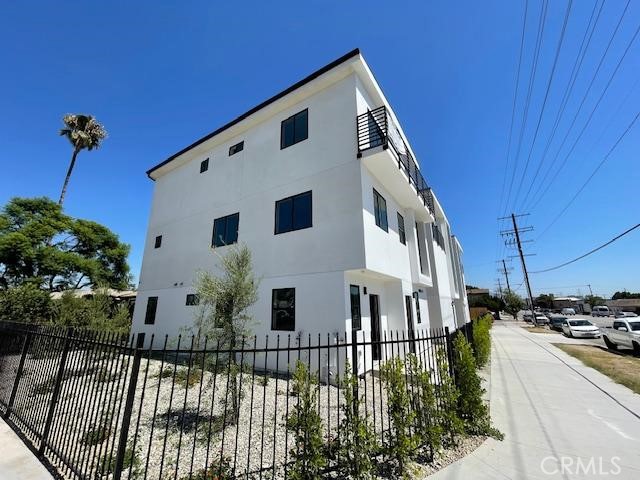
105	405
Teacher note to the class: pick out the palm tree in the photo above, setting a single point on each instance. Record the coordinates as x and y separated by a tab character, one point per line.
84	133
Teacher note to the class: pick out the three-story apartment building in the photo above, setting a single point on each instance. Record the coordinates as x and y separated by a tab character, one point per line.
321	184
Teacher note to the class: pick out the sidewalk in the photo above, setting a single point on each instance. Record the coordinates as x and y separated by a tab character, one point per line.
17	462
552	416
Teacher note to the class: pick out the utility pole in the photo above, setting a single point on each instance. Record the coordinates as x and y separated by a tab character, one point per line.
590	292
500	288
506	274
524	267
514	240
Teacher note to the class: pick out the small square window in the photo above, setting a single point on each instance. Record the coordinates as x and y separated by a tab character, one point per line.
238	147
283	309
192	299
401	233
380	210
225	230
204	165
158	242
150	314
294	129
294	213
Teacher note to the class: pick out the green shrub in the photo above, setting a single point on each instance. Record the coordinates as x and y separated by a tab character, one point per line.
97	434
471	406
400	443
482	340
107	463
308	450
428	427
357	447
448	394
217	470
98	312
25	303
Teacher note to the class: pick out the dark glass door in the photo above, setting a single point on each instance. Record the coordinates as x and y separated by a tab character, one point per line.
376	349
408	301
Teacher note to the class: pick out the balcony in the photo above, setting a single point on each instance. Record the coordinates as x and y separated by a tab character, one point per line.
377	132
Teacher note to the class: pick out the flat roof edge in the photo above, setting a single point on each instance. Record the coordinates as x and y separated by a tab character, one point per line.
258	107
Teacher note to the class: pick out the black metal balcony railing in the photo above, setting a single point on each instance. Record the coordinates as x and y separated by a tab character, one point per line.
376	128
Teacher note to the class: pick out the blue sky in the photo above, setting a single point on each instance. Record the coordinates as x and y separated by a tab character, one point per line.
159	75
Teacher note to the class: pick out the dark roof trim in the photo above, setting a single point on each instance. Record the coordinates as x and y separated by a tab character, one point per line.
271	100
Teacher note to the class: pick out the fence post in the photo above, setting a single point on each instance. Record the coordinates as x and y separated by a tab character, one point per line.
128	407
449	351
56	390
14	390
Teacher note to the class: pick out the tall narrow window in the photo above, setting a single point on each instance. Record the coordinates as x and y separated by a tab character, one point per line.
204	165
225	230
158	242
283	309
150	314
294	129
356	317
401	233
417	299
238	147
420	243
294	213
380	210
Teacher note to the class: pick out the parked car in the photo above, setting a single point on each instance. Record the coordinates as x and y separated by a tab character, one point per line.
580	328
624	333
620	314
527	316
600	311
568	311
541	319
556	322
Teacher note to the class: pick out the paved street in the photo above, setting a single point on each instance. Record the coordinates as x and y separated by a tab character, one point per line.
553	411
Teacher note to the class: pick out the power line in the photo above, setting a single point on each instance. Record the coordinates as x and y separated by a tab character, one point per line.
590	252
546	96
575	71
548	184
532	77
584	185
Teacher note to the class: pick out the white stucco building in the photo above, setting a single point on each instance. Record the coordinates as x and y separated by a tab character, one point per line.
321	183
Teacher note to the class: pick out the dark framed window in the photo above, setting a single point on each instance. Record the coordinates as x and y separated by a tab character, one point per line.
225	230
437	235
294	213
380	210
401	233
158	242
283	309
192	299
417	299
356	317
420	247
204	165
294	129
150	314
238	147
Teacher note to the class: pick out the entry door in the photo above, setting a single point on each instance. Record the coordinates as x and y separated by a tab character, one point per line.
376	347
408	301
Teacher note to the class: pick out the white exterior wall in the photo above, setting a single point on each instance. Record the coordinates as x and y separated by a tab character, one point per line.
343	247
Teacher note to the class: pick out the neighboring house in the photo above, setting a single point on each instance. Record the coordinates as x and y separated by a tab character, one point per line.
577	303
321	184
624	305
127	297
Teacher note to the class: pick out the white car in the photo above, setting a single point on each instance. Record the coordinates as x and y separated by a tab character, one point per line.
568	311
620	314
580	328
624	333
600	311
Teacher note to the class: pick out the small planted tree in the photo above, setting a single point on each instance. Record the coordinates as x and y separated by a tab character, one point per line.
471	407
448	394
513	303
401	444
482	340
308	452
223	315
358	445
428	427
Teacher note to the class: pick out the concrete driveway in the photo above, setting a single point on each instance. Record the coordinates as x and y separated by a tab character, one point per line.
561	420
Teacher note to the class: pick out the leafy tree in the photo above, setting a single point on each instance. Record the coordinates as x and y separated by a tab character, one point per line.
223	315
358	445
25	303
41	246
491	302
308	453
624	295
594	300
513	303
401	444
84	133
544	300
472	409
